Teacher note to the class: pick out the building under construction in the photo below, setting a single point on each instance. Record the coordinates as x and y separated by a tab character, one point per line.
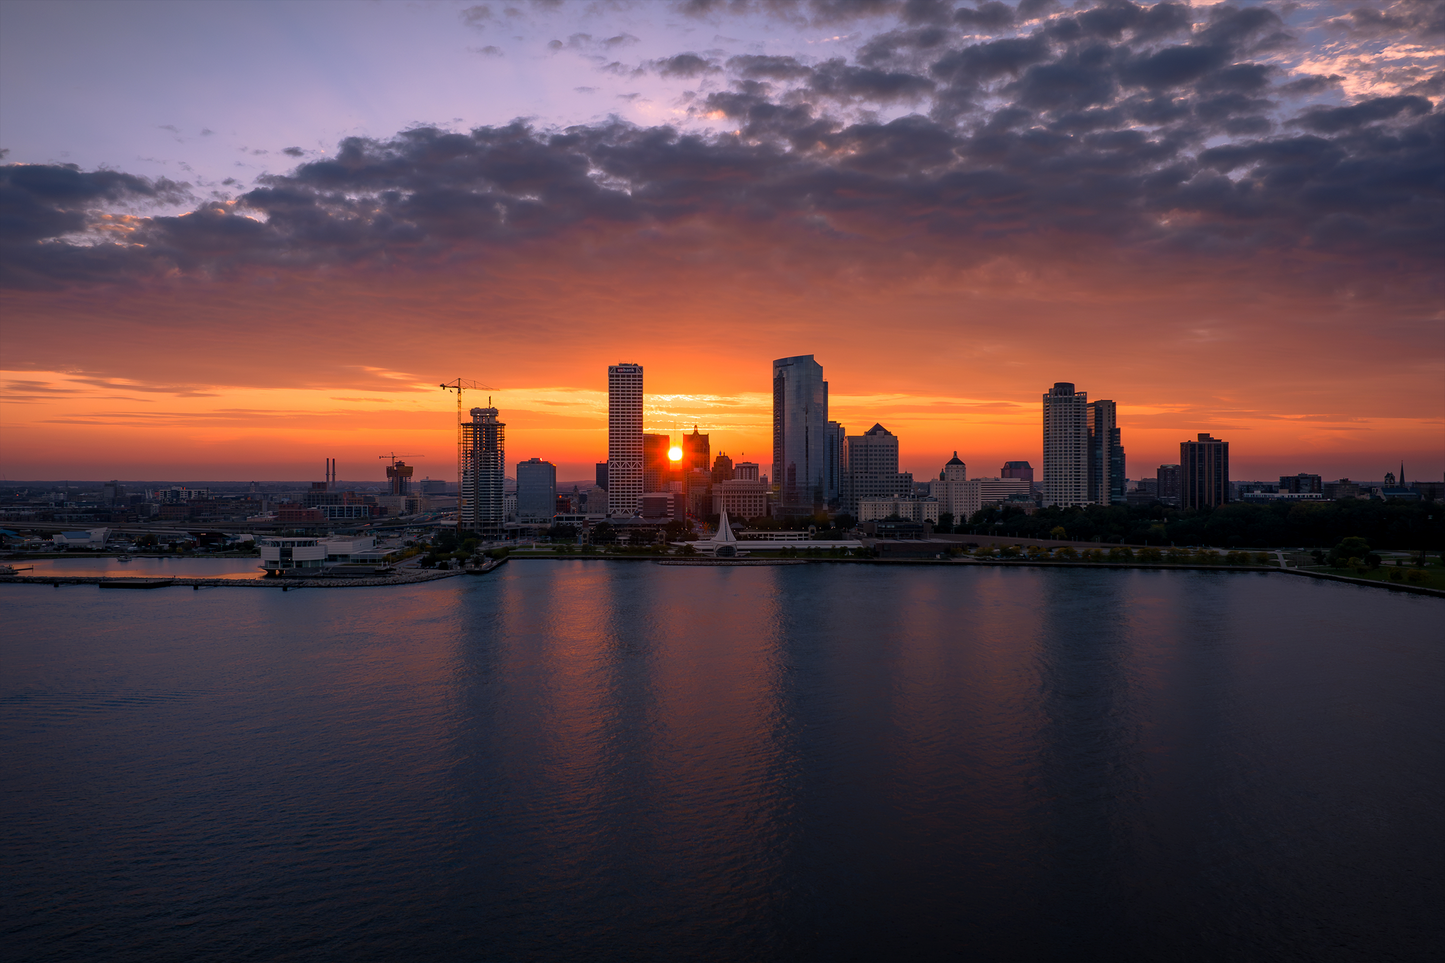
482	463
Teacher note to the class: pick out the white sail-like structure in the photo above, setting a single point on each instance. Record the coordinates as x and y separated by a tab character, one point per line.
725	543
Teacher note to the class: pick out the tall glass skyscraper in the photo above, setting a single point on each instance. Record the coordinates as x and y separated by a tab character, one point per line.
624	439
536	490
1106	455
800	430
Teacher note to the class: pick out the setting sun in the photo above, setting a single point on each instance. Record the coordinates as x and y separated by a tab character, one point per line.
674	453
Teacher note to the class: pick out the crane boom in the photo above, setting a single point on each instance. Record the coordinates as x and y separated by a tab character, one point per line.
465	501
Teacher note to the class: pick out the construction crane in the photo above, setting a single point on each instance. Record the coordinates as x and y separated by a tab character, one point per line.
461	385
394	456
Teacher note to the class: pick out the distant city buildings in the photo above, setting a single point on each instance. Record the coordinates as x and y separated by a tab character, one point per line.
1066	446
536	490
1204	472
800	446
624	439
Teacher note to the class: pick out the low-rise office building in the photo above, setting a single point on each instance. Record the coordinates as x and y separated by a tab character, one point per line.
907	509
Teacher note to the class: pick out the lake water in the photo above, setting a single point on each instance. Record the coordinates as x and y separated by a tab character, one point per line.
594	760
155	566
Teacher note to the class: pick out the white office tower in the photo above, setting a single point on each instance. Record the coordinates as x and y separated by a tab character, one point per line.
800	435
624	439
1066	446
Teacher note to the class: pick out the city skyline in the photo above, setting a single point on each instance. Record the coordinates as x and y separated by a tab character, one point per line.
1225	218
1082	422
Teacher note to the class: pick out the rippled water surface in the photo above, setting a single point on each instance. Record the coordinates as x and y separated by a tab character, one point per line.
624	761
152	566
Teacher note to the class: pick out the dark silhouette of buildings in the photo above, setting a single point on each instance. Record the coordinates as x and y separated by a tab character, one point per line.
656	468
695	452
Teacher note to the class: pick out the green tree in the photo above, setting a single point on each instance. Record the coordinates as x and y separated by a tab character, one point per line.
1348	548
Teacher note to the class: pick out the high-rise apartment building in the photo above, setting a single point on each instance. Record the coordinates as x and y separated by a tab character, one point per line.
481	506
1066	446
602	475
800	426
1106	455
872	469
722	468
536	490
1204	472
624	439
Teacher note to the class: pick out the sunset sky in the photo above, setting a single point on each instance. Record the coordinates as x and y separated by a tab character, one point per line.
239	238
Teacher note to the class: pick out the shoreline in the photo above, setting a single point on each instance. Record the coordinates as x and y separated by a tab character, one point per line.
165	581
419	576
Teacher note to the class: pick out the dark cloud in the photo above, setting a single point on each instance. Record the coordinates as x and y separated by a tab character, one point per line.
840	80
1330	120
987	16
684	65
293	152
1117	126
1423	18
758	67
